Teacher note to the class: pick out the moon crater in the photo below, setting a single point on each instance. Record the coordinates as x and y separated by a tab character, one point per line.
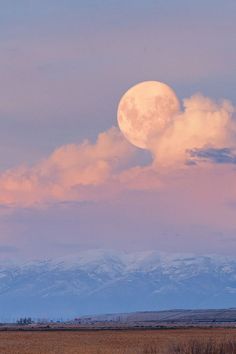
145	111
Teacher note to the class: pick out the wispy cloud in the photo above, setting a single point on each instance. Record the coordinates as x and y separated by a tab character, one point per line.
220	156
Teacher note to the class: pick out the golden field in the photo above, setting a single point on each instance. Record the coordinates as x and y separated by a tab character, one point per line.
114	341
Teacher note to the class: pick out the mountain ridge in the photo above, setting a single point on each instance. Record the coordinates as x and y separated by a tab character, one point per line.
101	281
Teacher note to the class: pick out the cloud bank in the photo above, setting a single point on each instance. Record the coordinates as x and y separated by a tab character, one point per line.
204	132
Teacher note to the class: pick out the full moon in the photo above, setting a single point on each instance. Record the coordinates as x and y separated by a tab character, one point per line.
145	111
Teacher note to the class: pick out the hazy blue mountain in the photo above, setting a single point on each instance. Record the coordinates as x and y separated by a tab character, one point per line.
105	281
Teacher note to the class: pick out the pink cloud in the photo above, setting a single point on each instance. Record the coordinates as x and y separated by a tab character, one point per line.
66	173
204	123
105	169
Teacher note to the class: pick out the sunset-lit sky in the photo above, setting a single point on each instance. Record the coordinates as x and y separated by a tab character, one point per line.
69	179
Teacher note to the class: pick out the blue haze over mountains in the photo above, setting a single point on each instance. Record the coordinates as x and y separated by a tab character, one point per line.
98	281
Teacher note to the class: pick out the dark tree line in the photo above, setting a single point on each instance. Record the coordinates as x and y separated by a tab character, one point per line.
24	321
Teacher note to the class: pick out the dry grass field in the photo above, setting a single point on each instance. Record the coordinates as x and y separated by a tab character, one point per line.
182	341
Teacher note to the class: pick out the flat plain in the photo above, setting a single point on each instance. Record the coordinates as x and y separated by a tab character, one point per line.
106	341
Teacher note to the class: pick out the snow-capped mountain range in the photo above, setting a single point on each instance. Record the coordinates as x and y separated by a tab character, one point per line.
101	281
